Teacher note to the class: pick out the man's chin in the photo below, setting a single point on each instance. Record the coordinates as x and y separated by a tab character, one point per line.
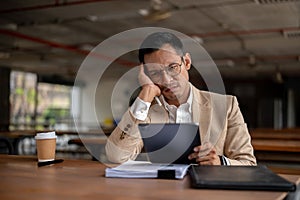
170	95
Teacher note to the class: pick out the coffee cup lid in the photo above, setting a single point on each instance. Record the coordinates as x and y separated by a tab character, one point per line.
47	135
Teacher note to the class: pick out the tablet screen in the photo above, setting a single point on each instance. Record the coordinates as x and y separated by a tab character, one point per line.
171	142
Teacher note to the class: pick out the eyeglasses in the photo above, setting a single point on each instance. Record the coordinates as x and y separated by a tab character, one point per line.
172	70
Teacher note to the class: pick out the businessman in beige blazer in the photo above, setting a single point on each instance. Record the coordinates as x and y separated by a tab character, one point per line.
164	74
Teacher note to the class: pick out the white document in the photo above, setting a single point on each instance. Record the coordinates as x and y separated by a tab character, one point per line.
141	169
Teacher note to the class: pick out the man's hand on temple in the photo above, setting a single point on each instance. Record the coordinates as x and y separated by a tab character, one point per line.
149	89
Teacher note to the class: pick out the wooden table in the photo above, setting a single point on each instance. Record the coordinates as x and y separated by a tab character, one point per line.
276	145
84	179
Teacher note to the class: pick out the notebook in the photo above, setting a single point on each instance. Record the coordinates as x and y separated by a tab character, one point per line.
170	143
238	178
142	169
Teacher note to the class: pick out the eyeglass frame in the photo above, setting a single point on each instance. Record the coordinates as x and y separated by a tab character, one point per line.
165	68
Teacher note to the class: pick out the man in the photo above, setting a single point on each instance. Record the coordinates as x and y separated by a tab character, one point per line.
164	74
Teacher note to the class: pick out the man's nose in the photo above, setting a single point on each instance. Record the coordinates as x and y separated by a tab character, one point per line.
165	77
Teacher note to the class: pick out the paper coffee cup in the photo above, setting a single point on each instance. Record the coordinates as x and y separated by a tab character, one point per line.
46	146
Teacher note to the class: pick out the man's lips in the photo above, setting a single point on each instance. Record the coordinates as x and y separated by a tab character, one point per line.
170	88
167	90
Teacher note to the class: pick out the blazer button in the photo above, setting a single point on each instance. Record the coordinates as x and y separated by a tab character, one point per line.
122	136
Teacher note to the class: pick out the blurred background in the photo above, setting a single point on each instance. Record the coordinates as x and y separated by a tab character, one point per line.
254	43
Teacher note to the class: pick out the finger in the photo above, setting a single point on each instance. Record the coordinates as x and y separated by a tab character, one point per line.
200	151
202	148
203	152
193	156
209	162
141	68
213	151
143	78
210	155
141	71
202	159
207	157
212	161
211	158
197	148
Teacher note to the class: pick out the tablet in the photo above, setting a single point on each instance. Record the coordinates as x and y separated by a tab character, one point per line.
171	142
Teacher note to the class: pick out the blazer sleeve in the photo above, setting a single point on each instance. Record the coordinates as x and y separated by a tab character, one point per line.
125	141
238	148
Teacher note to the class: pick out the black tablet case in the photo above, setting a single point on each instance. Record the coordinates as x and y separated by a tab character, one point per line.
238	178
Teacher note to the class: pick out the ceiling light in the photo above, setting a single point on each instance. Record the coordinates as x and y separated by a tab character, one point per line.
156	12
278	77
156	4
143	12
92	18
158	15
87	47
230	63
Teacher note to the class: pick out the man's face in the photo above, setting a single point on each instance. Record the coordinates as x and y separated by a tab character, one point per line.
169	71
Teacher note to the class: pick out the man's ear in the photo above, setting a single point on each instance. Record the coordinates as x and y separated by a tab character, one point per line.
187	60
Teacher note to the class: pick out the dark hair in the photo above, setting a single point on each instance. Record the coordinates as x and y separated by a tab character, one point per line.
155	41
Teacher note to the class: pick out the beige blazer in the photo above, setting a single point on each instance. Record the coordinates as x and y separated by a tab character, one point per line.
220	122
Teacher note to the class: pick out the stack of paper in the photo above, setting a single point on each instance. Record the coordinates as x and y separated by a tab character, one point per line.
141	169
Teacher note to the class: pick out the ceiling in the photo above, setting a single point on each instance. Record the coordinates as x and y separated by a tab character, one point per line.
246	38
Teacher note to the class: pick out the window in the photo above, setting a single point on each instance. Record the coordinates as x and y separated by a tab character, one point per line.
22	99
38	105
53	107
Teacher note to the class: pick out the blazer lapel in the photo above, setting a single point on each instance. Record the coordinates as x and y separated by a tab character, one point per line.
201	113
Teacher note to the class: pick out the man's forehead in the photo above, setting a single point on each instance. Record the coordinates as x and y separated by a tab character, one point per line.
167	48
165	54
